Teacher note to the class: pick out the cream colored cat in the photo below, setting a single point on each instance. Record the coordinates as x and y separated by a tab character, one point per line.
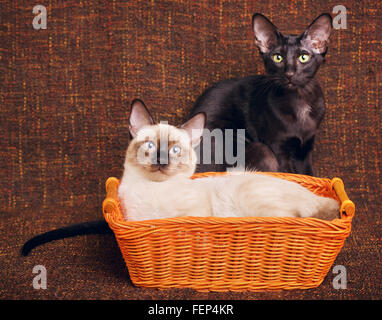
156	181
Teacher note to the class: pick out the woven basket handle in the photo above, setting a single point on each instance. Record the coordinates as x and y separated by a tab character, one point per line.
347	206
111	201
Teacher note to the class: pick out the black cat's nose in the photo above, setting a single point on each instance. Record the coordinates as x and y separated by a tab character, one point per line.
289	74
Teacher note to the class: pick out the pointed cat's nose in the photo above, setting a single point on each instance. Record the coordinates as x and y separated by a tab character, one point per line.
162	158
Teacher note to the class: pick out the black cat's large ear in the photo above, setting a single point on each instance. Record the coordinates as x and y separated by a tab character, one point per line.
139	117
266	33
316	36
194	127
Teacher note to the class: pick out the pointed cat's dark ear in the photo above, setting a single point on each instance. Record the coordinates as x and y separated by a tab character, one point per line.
194	128
266	33
139	117
316	36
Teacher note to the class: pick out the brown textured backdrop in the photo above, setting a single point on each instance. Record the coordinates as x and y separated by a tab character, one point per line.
65	95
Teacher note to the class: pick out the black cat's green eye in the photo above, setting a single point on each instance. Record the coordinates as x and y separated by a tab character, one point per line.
304	58
277	58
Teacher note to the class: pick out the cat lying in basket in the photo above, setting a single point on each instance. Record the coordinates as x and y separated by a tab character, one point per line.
156	181
156	184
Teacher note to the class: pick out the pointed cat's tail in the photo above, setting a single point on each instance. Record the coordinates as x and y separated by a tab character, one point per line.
92	227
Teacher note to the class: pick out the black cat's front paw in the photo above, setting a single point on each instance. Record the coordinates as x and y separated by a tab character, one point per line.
260	158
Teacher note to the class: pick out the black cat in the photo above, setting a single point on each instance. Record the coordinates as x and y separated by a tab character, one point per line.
280	111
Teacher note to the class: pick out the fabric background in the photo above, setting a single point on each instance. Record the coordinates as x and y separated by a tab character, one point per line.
65	95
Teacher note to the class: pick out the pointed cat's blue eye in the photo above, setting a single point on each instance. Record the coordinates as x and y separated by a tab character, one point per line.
175	150
150	145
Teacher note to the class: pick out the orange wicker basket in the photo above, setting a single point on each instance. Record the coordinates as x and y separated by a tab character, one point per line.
232	254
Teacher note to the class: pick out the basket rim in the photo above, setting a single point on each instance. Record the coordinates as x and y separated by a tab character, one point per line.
339	226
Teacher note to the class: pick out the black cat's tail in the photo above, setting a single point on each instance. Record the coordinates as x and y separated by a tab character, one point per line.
92	227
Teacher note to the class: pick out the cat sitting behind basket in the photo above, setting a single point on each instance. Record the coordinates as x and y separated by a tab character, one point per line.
156	182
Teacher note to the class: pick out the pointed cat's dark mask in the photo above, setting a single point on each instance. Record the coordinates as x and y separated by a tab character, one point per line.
293	60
